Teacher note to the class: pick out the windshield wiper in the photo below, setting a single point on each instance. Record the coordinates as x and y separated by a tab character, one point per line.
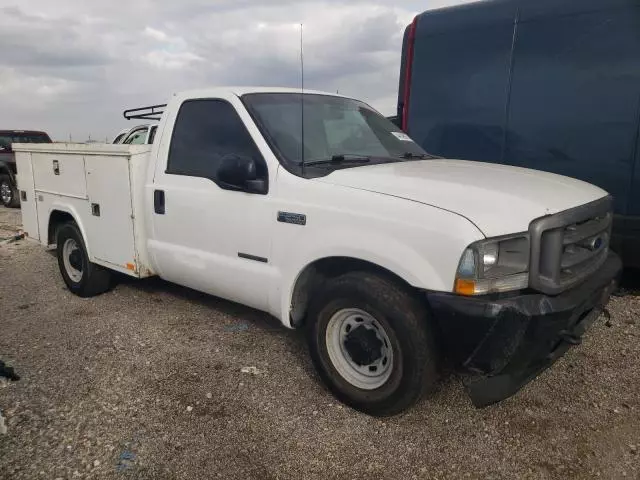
340	159
416	156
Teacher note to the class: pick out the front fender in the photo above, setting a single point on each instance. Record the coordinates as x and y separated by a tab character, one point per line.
385	251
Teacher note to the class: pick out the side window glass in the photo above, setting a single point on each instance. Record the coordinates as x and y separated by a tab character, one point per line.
136	138
204	133
140	137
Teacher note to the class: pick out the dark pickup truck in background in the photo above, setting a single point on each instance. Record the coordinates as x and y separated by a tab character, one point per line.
8	188
543	84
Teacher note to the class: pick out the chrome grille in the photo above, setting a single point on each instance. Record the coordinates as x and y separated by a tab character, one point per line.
569	246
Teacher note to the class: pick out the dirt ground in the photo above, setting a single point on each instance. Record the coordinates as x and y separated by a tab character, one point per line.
145	382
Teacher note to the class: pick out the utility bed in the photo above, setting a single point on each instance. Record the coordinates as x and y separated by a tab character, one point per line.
94	184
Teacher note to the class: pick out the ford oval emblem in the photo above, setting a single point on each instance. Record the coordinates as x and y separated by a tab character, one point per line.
596	244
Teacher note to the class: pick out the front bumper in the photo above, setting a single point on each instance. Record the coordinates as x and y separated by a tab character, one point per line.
505	341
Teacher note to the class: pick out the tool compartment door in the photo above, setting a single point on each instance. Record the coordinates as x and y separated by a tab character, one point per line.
59	174
109	225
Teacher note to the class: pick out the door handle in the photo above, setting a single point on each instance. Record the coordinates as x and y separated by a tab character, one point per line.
158	201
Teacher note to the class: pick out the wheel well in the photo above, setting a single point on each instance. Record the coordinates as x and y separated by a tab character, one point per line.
314	274
5	170
56	219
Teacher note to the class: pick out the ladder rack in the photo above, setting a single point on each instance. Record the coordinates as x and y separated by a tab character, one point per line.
153	112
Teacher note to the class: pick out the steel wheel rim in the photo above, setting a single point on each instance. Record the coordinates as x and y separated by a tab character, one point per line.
5	192
366	377
69	247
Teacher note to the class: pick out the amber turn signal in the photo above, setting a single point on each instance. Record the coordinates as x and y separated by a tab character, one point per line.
465	287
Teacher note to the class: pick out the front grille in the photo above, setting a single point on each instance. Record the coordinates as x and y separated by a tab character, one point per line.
569	246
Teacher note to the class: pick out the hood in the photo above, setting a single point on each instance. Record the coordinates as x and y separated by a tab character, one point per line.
498	199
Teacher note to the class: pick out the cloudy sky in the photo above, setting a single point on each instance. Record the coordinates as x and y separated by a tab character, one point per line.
71	66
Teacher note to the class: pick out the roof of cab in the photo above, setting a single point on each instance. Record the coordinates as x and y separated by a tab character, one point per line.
239	91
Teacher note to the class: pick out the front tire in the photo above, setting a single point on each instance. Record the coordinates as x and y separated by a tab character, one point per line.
371	343
8	192
82	277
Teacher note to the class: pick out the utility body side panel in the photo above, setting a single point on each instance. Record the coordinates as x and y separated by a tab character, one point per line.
94	184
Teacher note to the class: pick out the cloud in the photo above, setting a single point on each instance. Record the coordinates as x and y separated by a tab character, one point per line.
170	60
41	41
71	66
155	34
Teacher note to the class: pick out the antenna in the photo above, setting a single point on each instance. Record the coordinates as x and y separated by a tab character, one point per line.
302	94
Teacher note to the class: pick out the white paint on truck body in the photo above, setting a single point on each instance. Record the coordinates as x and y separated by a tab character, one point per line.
414	219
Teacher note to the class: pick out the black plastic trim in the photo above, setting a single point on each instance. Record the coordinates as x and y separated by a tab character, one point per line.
537	280
158	202
153	112
246	256
503	341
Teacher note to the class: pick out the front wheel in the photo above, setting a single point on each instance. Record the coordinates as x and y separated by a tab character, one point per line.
8	192
82	277
371	342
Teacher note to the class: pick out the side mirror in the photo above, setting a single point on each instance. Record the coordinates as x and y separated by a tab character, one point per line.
239	172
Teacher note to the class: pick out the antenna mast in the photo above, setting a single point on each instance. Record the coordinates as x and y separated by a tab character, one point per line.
302	94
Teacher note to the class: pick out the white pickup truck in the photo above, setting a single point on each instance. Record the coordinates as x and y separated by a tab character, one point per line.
391	259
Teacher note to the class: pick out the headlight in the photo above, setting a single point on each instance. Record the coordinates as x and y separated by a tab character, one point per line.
494	265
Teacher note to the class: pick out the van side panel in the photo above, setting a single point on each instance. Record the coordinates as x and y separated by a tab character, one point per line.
574	97
460	82
538	9
628	227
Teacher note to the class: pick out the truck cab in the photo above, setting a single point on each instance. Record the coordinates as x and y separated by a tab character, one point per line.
315	208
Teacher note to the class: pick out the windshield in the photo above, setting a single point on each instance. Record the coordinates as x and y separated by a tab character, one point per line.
7	139
333	127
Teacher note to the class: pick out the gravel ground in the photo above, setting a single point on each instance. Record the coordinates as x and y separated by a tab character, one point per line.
145	382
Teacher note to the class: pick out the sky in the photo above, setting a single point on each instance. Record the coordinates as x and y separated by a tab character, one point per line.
70	67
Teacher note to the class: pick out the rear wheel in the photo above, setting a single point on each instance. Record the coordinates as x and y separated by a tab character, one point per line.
82	277
370	341
8	192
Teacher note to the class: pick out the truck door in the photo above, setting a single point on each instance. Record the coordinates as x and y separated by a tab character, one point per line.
206	236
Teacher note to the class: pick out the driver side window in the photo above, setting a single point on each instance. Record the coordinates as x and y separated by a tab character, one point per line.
206	131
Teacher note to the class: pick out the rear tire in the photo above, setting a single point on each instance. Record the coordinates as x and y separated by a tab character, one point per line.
371	343
82	277
8	192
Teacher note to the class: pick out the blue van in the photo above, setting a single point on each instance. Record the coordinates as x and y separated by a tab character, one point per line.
546	84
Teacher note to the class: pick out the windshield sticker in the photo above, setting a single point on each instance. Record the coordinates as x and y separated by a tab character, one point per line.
402	136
